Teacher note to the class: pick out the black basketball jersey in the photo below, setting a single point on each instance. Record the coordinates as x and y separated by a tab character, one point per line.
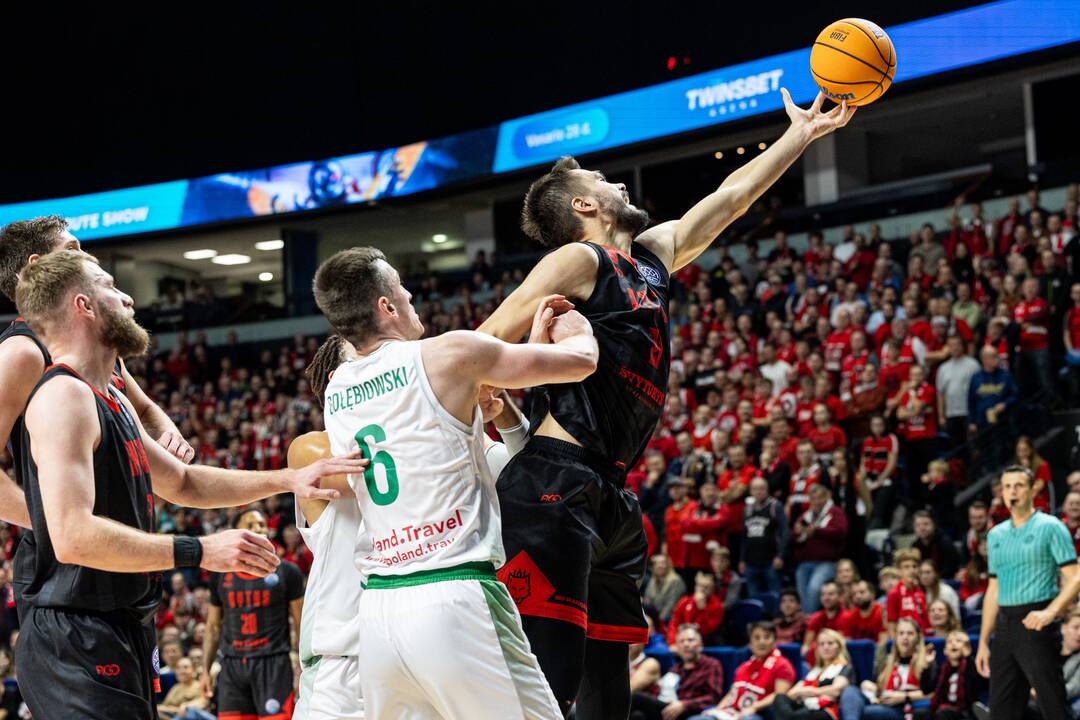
19	328
255	611
613	411
122	492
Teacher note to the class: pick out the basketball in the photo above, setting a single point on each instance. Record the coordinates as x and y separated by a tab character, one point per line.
853	60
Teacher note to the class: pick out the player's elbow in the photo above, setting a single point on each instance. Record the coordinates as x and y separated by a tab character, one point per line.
69	547
583	365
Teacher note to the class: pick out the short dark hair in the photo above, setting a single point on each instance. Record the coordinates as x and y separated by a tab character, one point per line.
791	592
978	505
239	516
1026	472
922	514
346	288
765	625
547	216
21	239
327	359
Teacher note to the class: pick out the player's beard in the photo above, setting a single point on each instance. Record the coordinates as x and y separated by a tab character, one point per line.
628	218
123	334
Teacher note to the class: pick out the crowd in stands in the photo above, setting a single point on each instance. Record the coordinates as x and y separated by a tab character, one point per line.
825	406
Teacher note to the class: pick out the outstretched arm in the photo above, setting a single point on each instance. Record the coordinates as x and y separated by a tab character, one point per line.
569	271
679	242
201	486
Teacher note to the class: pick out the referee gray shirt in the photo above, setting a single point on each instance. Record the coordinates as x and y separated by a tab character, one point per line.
1025	560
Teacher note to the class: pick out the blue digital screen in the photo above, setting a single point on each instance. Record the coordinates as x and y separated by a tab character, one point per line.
924	47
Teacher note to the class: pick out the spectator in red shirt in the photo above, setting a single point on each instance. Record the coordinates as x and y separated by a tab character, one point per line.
734	483
1032	314
831	616
695	683
916	409
907	599
1026	456
703	609
818	538
760	679
808	474
681	509
825	436
864	621
709	522
975	577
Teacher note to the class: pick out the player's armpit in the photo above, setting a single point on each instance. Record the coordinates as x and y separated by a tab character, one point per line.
569	271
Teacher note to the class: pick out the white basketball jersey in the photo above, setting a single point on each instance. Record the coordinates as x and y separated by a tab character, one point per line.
427	498
329	624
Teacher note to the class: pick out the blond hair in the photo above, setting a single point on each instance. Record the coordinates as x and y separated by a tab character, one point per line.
44	286
920	658
826	633
907	555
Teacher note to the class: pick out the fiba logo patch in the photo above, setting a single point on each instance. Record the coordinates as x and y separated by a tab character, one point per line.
272	579
155	660
272	706
650	274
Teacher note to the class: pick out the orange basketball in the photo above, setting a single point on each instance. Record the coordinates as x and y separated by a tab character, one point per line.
853	60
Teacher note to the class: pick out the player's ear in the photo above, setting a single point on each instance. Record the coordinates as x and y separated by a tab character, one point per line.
584	204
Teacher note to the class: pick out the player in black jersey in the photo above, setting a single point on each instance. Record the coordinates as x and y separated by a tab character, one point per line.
23	357
572	532
91	472
250	617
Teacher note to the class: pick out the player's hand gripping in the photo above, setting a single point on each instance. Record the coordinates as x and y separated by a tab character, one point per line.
813	121
238	551
304	482
175	443
549	308
568	325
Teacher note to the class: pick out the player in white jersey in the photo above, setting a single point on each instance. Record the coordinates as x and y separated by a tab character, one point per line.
329	669
439	635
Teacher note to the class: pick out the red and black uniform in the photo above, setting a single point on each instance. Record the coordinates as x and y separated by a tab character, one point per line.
256	679
99	618
756	678
589	544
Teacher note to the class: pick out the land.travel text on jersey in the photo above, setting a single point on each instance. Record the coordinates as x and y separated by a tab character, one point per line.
367	389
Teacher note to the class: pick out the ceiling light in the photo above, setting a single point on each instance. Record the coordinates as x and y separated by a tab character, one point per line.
266	276
718	155
438	238
270	245
199	254
231	259
761	146
740	150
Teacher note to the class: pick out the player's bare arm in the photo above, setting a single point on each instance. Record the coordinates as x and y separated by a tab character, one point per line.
305	450
200	486
21	366
677	243
66	479
458	363
569	271
154	419
211	641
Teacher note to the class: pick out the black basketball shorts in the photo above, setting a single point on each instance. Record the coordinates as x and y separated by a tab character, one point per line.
87	666
575	545
256	688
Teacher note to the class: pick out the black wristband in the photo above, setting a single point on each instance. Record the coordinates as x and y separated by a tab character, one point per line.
187	551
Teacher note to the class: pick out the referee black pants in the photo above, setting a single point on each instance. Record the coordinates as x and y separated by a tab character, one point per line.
1021	659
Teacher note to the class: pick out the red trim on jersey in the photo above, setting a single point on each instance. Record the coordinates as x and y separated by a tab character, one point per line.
113	404
617	633
231	715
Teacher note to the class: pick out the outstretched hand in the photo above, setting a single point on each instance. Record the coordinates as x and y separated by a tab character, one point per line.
304	482
817	123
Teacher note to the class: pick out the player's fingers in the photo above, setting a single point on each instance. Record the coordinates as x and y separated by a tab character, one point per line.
255	564
340	466
786	96
818	102
850	114
254	541
189	454
323	494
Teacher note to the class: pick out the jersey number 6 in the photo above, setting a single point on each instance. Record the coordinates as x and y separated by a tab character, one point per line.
377	435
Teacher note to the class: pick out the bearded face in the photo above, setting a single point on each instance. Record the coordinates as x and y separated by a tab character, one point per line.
120	332
627	218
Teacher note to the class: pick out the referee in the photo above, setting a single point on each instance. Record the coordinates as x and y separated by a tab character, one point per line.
1026	555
